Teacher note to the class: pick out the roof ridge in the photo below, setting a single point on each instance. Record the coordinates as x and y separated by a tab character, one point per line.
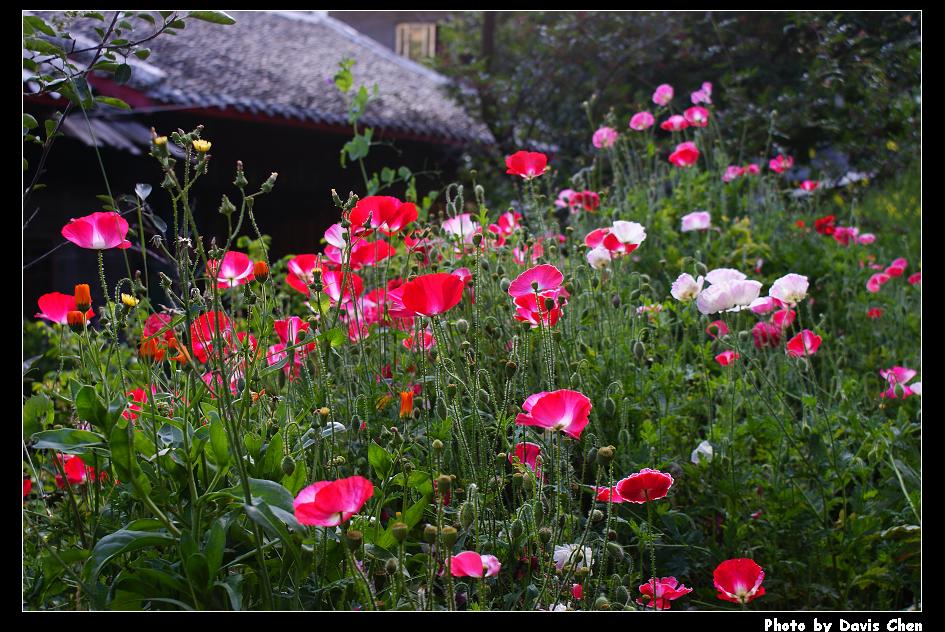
322	17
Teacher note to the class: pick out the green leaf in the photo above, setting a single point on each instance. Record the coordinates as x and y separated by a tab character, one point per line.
29	122
219	444
262	514
143	53
272	461
42	46
379	459
217	17
125	458
118	103
117	543
269	492
68	440
297	480
37	412
334	337
122	74
216	540
89	408
36	22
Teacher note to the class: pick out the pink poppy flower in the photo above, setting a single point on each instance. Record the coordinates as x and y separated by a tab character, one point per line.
897	267
790	289
702	95
522	257
809	185
544	279
235	269
642	121
877	281
534	310
766	335
721	275
77	472
803	344
609	495
732	295
675	123
289	330
644	486
783	318
727	357
843	235
329	503
685	288
302	269
605	137
899	376
462	226
660	592
663	94
563	410
765	305
332	281
781	163
577	591
686	155
54	307
865	239
527	164
528	454
733	172
432	294
752	169
915	279
738	580
385	213
206	330
472	564
717	329
697	116
98	231
511	221
698	220
426	341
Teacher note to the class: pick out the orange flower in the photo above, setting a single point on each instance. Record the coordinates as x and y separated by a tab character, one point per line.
406	404
182	355
151	349
76	321
260	271
83	297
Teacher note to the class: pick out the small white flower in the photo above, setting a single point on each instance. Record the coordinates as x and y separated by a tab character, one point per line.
703	452
572	554
628	232
598	257
685	288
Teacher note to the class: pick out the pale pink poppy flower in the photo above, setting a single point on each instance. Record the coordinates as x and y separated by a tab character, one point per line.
781	163
461	226
604	137
730	296
650	310
663	95
758	265
98	231
877	281
916	388
697	116
865	239
915	279
702	95
563	410
564	198
642	121
721	275
698	220
898	376
335	236
727	357
598	257
675	123
809	185
686	155
685	288
573	555
472	564
790	289
703	452
628	232
733	172
803	344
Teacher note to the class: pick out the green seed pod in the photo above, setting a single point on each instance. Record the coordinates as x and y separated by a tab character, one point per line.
353	539
485	264
429	533
484	395
437	445
449	536
391	566
622	594
452	389
517	480
517	529
477	239
610	406
510	369
529	483
701	268
544	534
639	350
400	530
462	325
501	458
288	465
467	514
623	437
615	551
602	603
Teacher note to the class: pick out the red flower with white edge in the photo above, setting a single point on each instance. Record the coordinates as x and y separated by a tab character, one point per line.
658	593
803	344
55	306
329	503
534	309
472	564
432	294
739	580
563	410
98	231
644	486
545	279
527	164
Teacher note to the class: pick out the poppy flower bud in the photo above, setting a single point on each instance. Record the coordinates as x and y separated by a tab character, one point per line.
443	483
288	465
623	594
602	603
477	239
261	271
517	529
504	284
544	534
467	514
528	483
353	539
597	515
517	479
450	535
462	325
391	566
437	445
605	455
610	406
76	321
639	350
429	534
451	389
549	304
615	300
592	454
615	551
611	535
270	182
83	298
400	529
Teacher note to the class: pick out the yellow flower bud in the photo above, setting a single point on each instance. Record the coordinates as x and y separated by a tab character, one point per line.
129	300
203	146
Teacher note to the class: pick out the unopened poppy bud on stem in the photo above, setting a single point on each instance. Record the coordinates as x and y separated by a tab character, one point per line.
443	483
437	445
400	529
260	271
450	536
83	298
605	455
429	534
353	539
76	321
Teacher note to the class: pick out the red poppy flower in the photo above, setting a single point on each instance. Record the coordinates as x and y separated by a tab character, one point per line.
98	231
686	155
825	225
302	270
739	580
432	294
527	164
55	305
332	281
766	335
727	357
203	333
27	487
329	503
528	454
660	592
717	329
804	343
645	485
